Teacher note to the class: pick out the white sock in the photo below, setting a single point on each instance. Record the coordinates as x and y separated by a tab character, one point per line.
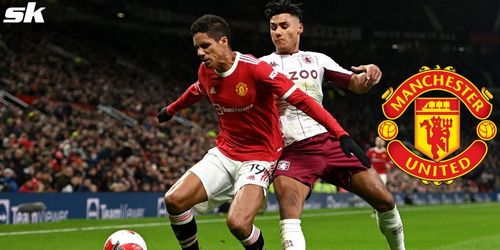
391	226
292	237
252	238
181	219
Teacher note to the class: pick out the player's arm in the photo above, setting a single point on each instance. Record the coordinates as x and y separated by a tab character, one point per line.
284	88
191	96
359	80
364	78
287	90
309	106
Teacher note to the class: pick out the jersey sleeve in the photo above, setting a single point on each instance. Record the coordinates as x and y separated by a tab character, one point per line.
309	106
280	85
195	93
191	96
333	72
287	90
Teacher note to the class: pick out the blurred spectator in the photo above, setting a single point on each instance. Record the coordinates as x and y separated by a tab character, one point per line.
87	186
32	185
73	185
119	182
8	182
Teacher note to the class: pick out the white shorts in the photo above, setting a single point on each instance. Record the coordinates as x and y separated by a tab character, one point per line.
384	178
223	177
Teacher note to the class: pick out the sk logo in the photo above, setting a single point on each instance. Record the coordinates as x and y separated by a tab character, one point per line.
437	125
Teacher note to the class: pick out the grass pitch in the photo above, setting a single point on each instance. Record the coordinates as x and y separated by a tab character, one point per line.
445	227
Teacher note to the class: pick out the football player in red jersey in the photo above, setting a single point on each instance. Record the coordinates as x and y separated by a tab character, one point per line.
311	152
381	161
242	89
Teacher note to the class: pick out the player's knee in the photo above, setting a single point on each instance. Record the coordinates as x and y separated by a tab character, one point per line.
240	227
385	202
174	203
289	199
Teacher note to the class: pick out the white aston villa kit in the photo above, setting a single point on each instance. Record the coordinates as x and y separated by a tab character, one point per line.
307	70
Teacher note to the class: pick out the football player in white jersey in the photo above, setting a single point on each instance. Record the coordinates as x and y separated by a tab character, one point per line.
311	152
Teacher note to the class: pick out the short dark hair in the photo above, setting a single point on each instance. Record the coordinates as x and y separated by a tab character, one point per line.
276	7
215	27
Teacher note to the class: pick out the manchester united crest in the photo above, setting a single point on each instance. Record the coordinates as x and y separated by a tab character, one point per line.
241	89
437	125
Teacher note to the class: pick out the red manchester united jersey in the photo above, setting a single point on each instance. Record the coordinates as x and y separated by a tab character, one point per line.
380	159
243	98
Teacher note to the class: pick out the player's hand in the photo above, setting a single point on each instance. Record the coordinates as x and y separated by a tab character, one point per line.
351	148
163	116
372	74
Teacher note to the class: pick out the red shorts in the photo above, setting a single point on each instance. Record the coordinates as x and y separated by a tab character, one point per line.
318	157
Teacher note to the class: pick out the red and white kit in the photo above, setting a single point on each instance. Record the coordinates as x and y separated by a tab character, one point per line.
250	135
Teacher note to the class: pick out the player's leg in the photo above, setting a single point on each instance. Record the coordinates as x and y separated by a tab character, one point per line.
291	195
206	185
183	195
251	182
350	174
369	186
245	205
383	177
299	167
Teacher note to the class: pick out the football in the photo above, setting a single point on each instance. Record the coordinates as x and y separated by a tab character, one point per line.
125	240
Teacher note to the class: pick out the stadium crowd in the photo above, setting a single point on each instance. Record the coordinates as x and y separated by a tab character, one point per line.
63	143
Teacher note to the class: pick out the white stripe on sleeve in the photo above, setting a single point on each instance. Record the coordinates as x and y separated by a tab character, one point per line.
289	92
